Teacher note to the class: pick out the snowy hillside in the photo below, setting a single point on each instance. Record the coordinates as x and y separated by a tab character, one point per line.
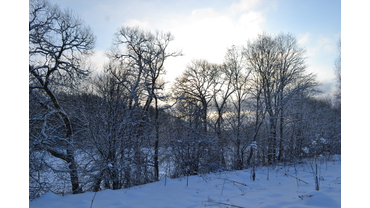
286	187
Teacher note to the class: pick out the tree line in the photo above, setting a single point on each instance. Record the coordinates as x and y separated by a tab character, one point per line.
121	127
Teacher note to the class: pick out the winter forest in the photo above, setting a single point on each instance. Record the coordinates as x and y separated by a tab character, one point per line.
123	126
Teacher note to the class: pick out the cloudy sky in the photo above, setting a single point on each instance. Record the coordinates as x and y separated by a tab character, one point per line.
204	29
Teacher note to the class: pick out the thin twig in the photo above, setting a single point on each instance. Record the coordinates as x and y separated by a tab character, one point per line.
223	186
226	204
294	177
92	201
236	182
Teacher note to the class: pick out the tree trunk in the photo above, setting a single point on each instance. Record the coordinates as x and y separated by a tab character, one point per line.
69	157
156	144
272	142
74	173
281	137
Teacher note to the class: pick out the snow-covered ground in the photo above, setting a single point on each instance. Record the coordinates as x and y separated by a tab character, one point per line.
226	189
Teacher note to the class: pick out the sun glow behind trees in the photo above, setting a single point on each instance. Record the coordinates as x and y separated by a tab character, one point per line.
252	106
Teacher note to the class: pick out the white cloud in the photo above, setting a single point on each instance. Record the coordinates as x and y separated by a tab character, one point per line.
321	46
325	76
321	54
243	5
249	24
327	44
205	13
251	17
135	23
98	60
304	39
207	33
203	33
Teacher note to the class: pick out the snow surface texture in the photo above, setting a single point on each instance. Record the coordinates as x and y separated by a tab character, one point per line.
225	189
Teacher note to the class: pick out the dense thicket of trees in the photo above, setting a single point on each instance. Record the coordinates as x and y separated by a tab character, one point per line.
120	128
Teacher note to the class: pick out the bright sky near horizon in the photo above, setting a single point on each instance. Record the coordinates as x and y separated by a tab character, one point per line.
205	29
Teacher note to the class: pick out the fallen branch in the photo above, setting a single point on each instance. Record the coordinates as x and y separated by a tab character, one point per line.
92	201
294	177
236	182
231	205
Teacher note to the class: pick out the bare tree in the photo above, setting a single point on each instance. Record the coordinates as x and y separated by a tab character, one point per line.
155	59
222	90
197	84
105	113
280	65
257	109
58	44
239	74
194	92
143	56
292	78
261	56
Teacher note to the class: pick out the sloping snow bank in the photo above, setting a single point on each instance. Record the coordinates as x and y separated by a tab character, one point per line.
226	189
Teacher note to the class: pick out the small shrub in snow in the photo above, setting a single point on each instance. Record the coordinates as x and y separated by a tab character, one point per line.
304	196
